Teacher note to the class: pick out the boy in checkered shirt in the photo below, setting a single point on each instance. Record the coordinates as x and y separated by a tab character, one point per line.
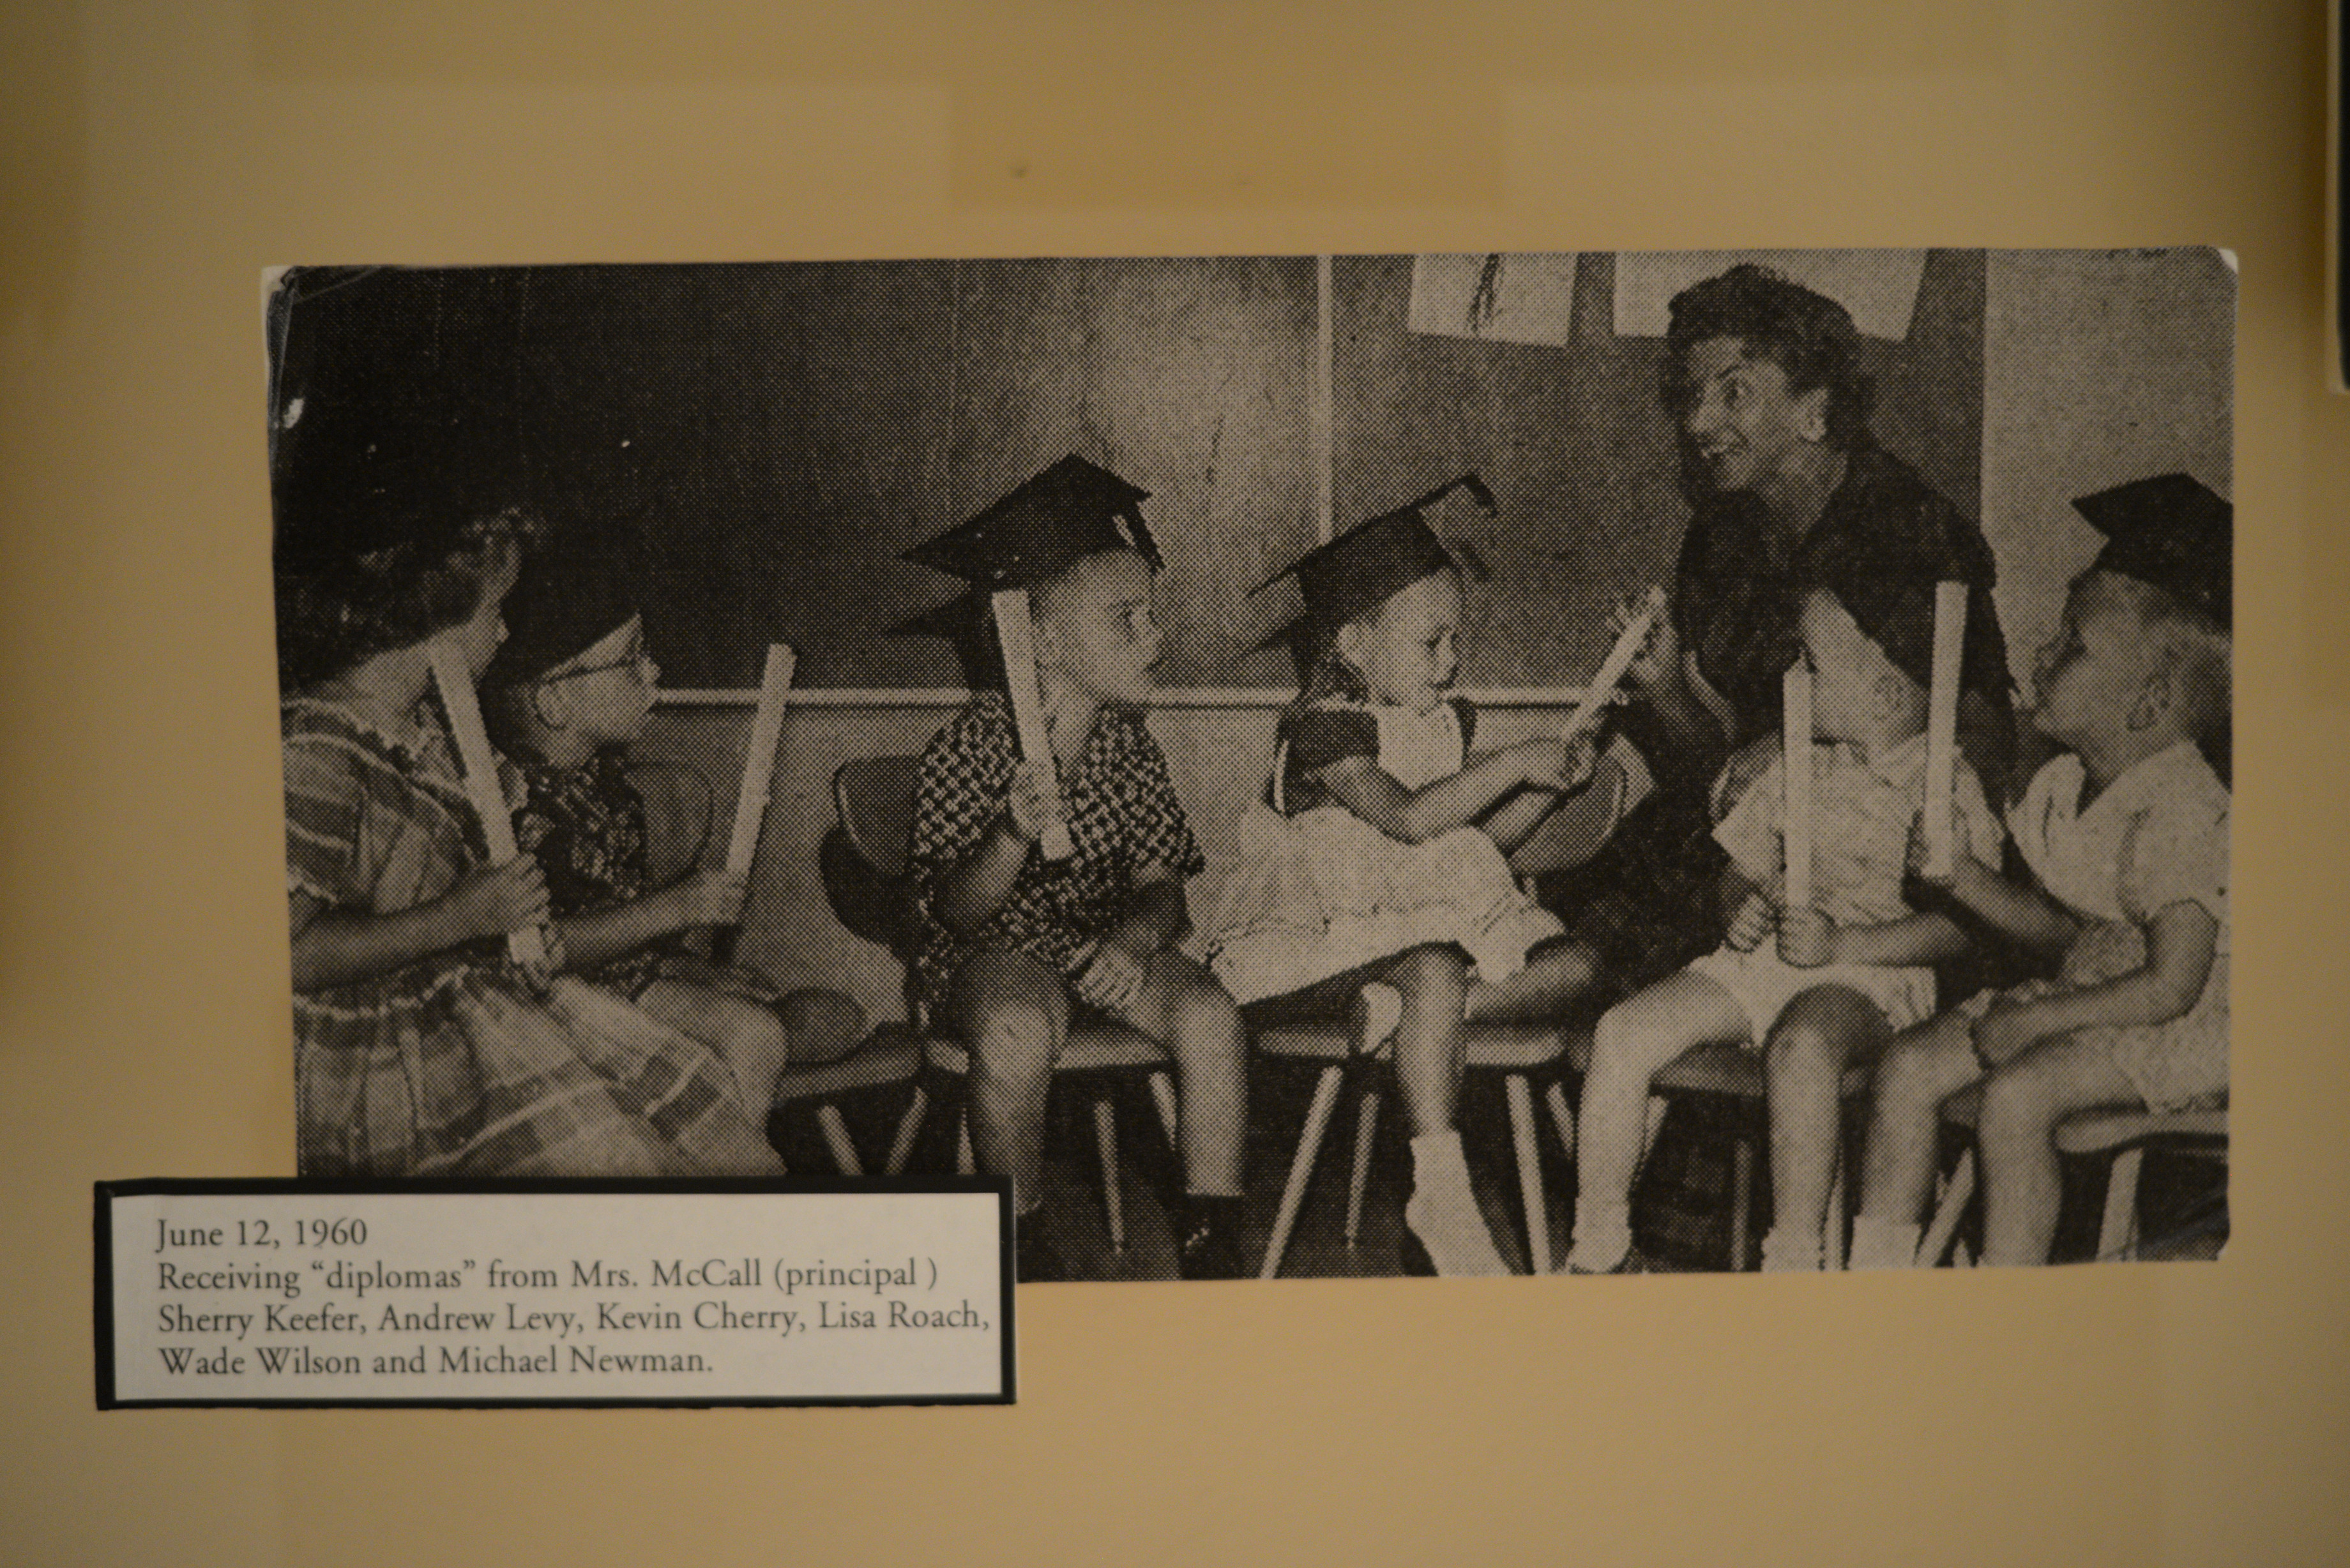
1015	947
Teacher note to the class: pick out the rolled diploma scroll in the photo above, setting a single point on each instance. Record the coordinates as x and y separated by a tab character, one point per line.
1017	634
528	945
1942	725
759	761
1796	830
1628	643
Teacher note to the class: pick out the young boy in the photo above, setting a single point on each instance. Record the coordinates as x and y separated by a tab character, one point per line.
2126	833
1015	946
1841	975
567	694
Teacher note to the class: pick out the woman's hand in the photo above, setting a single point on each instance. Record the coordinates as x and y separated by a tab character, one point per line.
1738	776
492	900
1658	662
1547	762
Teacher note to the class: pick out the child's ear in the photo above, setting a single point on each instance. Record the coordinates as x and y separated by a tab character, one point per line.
1812	414
2157	701
1349	640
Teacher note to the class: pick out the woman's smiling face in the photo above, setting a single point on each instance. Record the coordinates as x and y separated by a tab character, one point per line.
1738	415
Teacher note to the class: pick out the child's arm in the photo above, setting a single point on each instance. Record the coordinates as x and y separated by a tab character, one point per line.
2025	914
1415	816
1522	813
972	893
2182	940
709	897
335	947
1155	917
1808	938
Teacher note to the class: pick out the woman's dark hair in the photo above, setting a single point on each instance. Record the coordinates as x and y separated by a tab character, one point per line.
335	611
1808	336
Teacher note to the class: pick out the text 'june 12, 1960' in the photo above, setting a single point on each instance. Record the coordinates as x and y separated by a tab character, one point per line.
287	1292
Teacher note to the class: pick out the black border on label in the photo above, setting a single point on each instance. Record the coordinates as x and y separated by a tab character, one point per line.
102	1259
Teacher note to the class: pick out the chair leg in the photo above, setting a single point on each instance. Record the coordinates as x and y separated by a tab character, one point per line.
901	1147
2117	1237
1947	1214
837	1139
1741	1204
1309	1143
1522	1132
1367	1122
1562	1115
1105	1139
1162	1095
966	1163
1834	1239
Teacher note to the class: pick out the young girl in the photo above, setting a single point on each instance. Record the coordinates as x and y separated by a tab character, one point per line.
420	1048
1842	974
2126	833
1374	871
568	695
1014	945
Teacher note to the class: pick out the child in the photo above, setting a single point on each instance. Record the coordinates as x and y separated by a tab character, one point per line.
1842	974
567	694
2126	833
420	1048
1378	856
1013	946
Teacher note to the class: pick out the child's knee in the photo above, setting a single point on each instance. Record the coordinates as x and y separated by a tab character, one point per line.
1430	968
1806	1045
1013	1036
820	1025
2018	1110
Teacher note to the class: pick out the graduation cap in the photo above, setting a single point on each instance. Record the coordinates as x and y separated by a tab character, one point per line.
966	623
2174	532
568	599
1072	510
1372	562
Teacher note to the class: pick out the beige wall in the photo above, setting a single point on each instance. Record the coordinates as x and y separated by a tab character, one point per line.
157	155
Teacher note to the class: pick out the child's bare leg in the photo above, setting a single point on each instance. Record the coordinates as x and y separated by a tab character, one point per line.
748	1038
1432	982
1921	1068
1013	1013
2022	1102
1816	1038
1637	1038
1551	979
1186	1007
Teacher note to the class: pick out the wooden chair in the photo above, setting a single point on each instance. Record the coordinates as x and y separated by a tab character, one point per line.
678	818
2117	1132
864	861
1736	1073
1517	1051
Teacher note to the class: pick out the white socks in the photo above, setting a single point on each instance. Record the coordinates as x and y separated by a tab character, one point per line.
1443	1211
1879	1245
1790	1252
1603	1236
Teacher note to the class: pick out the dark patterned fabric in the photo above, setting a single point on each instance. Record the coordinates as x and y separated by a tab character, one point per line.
449	1065
587	828
1123	815
1329	721
1646	904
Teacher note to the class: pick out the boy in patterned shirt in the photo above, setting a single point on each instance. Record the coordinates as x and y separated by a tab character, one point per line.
1014	947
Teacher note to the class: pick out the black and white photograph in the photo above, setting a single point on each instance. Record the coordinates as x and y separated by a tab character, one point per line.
1310	766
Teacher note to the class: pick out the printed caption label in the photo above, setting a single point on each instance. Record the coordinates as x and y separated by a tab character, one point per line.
296	1292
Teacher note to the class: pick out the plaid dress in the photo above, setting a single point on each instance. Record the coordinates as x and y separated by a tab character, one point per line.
449	1065
1123	817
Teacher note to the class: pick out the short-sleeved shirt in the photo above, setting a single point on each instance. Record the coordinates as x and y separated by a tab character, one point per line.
1123	817
1862	814
2157	835
1334	718
586	827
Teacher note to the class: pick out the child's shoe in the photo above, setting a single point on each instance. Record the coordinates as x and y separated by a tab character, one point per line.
1442	1225
1208	1245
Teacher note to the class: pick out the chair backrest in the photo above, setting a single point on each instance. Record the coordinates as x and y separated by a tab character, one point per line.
875	799
863	858
677	816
